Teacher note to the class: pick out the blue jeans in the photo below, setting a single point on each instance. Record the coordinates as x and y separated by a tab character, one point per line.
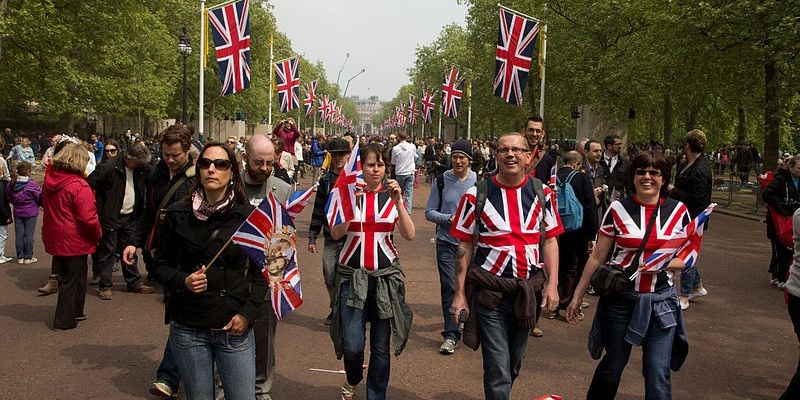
3	239
446	260
503	345
656	353
407	184
24	229
168	369
691	281
354	322
197	351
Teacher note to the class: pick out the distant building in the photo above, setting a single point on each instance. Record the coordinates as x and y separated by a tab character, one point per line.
367	110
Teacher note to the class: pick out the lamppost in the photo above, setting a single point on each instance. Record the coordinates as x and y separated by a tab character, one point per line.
346	57
348	82
185	49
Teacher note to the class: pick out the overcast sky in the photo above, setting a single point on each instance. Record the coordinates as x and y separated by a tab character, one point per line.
380	35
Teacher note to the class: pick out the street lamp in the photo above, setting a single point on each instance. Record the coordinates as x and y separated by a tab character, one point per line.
346	57
348	82
185	49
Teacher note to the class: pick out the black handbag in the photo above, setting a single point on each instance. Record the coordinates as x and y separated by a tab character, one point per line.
609	279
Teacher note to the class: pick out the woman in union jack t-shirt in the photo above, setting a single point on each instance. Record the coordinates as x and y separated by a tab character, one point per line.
649	315
369	279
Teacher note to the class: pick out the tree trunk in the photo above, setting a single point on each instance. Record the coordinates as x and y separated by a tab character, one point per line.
66	123
741	133
3	4
667	120
771	116
691	121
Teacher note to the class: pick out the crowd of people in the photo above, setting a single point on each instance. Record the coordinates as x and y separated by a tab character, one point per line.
523	226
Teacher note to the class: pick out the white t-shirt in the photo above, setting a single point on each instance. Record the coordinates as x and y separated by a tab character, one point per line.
130	194
298	151
403	158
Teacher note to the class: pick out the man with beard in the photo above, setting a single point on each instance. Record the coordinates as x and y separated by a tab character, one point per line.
259	181
542	159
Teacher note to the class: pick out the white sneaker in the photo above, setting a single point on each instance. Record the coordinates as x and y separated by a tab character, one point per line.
684	302
4	259
448	347
698	293
20	261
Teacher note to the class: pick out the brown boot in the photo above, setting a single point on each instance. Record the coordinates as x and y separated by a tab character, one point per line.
51	286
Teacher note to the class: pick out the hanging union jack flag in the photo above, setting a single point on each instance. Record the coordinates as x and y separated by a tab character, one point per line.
427	105
515	43
451	93
287	81
341	206
323	107
230	28
269	238
311	95
412	109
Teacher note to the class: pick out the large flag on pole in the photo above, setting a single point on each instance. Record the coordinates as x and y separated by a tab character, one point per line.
427	105
341	206
451	93
516	39
230	27
269	238
412	109
323	107
311	95
287	80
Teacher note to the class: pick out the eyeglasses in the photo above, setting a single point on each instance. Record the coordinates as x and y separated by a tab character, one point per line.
512	150
652	172
231	142
220	164
111	151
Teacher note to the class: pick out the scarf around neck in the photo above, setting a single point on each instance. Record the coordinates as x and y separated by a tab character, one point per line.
203	209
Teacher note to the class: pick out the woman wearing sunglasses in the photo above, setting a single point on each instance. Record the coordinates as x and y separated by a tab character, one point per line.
647	314
213	305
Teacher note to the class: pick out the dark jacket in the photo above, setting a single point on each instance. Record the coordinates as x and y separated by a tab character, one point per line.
693	186
582	186
158	184
70	226
781	194
617	179
235	285
545	164
319	220
6	217
108	182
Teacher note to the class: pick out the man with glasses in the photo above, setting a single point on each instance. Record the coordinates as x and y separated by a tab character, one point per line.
542	159
615	170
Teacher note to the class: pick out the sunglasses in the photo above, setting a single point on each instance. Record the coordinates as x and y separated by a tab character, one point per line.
652	172
231	142
220	164
111	151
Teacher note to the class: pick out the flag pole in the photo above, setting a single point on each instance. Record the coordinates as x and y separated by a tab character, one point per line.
544	66
469	110
271	56
440	123
517	12
201	86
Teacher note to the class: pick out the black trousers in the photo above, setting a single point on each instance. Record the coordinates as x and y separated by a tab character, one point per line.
793	391
114	238
71	289
572	257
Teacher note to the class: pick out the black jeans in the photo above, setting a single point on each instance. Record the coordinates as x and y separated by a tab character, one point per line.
793	391
71	289
114	238
572	256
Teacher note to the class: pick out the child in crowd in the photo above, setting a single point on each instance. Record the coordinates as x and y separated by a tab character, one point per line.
26	196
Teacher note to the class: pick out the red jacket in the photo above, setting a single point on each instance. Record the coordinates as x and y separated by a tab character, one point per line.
70	226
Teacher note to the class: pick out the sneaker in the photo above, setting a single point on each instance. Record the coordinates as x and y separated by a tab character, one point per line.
142	289
161	389
32	260
348	391
584	305
20	261
591	291
105	294
448	347
684	302
4	259
537	332
698	293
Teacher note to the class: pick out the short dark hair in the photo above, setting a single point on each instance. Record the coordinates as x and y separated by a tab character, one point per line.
650	159
139	153
535	118
588	144
696	139
610	139
177	133
372	148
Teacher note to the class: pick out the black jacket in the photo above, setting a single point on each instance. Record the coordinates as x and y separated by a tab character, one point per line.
781	194
158	183
6	216
582	186
319	221
617	179
542	170
108	182
235	285
693	186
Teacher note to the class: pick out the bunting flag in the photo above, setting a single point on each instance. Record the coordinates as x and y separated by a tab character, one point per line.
230	28
412	109
323	107
427	105
332	111
516	39
451	93
269	238
341	206
311	95
287	80
685	244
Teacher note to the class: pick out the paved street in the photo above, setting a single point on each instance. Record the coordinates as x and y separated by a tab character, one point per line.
741	341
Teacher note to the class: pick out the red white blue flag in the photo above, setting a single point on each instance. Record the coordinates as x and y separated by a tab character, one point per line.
323	107
341	206
684	245
287	80
516	39
311	95
553	182
297	201
230	28
412	109
427	106
269	238
451	93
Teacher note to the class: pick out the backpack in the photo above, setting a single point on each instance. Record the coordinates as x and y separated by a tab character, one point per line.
569	208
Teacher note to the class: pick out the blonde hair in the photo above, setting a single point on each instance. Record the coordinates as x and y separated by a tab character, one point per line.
73	158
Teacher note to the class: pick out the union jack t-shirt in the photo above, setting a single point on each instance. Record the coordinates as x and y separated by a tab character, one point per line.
368	242
508	241
625	222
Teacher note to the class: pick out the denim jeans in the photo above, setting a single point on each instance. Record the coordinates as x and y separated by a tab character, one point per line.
168	369
197	351
446	260
3	239
24	230
354	322
407	184
656	353
691	281
503	345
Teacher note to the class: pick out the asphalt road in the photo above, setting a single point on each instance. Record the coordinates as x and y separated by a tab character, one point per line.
741	340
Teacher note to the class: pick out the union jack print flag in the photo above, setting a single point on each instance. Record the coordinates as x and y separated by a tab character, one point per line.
427	106
287	80
412	109
297	201
451	93
230	28
515	43
332	111
341	206
685	245
311	95
553	182
269	238
323	107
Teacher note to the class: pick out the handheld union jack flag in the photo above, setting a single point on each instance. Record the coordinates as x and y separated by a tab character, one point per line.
341	206
297	201
311	95
451	93
230	28
269	238
553	182
515	43
287	80
412	109
427	106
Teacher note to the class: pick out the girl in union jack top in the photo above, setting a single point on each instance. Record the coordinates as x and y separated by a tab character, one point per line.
369	283
649	315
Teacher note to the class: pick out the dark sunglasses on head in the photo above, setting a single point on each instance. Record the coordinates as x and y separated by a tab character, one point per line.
220	164
652	172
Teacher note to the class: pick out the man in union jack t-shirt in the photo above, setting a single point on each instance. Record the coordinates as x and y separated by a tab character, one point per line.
497	284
